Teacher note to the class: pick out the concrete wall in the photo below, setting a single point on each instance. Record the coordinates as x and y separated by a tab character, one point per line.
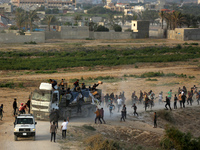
113	35
52	35
74	32
184	34
160	33
38	37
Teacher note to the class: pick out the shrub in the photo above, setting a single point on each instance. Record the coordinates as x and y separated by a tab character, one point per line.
98	142
179	46
166	115
13	27
89	127
117	28
9	85
101	28
21	85
46	72
151	79
175	139
194	43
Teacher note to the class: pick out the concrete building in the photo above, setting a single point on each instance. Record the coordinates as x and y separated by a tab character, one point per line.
6	8
161	4
140	27
47	3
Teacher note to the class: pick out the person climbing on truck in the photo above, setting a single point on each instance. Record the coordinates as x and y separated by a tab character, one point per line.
53	83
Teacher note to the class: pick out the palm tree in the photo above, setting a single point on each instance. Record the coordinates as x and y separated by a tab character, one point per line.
20	17
162	16
178	19
50	19
32	16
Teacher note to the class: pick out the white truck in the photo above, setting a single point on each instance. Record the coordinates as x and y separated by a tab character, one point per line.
45	99
24	126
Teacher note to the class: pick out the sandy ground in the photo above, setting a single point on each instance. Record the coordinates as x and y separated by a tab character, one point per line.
138	125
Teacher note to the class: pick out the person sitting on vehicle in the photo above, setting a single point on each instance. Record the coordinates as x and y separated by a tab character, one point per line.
83	86
62	84
22	108
76	84
94	86
54	83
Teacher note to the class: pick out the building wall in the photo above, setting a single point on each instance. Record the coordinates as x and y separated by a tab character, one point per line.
38	37
114	35
52	35
184	34
74	32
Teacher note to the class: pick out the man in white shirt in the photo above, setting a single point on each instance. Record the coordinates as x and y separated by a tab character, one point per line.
119	103
64	128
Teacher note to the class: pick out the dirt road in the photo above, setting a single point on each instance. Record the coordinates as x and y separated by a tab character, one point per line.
42	141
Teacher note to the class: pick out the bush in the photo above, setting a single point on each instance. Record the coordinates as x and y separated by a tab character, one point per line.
151	79
89	127
46	72
101	28
98	142
13	27
117	28
175	139
31	42
166	115
179	46
9	85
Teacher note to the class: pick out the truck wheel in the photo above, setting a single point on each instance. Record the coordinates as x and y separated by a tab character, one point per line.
33	138
86	113
15	138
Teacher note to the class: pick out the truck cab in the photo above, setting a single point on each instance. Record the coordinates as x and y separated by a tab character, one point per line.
44	100
24	126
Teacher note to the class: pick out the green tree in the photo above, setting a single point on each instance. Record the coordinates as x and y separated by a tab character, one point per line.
50	19
117	28
101	28
20	18
55	11
32	16
162	16
48	11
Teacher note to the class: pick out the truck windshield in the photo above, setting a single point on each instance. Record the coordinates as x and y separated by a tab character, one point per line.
24	121
41	96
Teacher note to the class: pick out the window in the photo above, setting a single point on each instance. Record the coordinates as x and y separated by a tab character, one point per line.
24	121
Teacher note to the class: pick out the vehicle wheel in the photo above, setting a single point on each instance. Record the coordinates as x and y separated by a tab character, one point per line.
33	138
15	138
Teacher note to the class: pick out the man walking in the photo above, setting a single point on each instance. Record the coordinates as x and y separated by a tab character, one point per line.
97	116
64	128
155	120
53	131
102	115
175	101
119	103
1	112
14	106
135	109
167	103
169	94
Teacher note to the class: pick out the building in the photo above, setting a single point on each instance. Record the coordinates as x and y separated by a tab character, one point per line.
5	8
161	4
141	28
47	3
198	2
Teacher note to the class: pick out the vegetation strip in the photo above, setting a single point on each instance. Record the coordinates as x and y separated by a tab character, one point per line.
52	60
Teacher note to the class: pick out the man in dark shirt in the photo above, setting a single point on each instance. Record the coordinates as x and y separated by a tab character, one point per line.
28	103
15	106
167	103
183	99
155	120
